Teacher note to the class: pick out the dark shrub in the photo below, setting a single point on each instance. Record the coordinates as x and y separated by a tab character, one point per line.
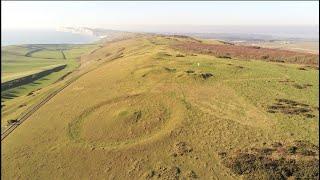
13	121
189	71
206	75
307	170
179	55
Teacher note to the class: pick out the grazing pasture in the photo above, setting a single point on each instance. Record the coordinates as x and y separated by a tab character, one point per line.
141	108
19	62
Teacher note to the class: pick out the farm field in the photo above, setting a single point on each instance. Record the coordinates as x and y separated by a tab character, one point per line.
301	46
16	60
19	61
157	107
49	54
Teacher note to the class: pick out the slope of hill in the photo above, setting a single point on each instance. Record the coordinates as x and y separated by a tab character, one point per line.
250	52
139	109
37	62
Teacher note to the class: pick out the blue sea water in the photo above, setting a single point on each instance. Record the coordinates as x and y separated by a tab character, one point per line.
47	36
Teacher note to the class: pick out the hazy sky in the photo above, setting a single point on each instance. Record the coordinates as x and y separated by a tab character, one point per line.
112	14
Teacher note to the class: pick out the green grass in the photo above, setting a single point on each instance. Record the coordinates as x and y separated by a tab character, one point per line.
15	65
17	50
90	130
78	50
48	54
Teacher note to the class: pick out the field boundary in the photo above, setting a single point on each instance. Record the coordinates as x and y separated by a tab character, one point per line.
35	108
29	78
63	55
25	116
29	54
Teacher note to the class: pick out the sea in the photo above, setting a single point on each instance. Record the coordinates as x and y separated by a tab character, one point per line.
53	36
43	36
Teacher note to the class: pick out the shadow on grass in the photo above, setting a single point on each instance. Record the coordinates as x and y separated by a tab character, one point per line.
34	84
43	79
8	95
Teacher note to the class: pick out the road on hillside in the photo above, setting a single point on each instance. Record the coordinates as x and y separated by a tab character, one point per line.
12	127
25	116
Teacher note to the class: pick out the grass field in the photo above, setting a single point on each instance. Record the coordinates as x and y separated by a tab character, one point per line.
48	54
14	66
139	109
301	46
17	61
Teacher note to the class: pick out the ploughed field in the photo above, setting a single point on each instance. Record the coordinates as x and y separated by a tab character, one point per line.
148	108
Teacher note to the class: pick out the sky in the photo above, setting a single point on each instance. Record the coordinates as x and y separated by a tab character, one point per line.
99	14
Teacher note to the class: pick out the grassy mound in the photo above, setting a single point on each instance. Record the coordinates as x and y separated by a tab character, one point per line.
123	120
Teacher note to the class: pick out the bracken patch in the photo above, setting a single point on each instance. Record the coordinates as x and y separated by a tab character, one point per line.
206	75
290	107
302	86
297	160
249	52
162	172
181	148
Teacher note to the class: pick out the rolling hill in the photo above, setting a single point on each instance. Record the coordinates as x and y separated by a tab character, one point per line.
155	107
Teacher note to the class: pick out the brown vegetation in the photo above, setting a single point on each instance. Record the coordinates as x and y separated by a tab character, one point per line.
164	173
181	148
298	160
189	71
202	75
179	55
295	85
301	86
206	75
249	52
290	107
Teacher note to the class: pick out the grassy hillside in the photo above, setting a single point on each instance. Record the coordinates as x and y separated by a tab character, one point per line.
250	52
139	109
301	46
20	61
